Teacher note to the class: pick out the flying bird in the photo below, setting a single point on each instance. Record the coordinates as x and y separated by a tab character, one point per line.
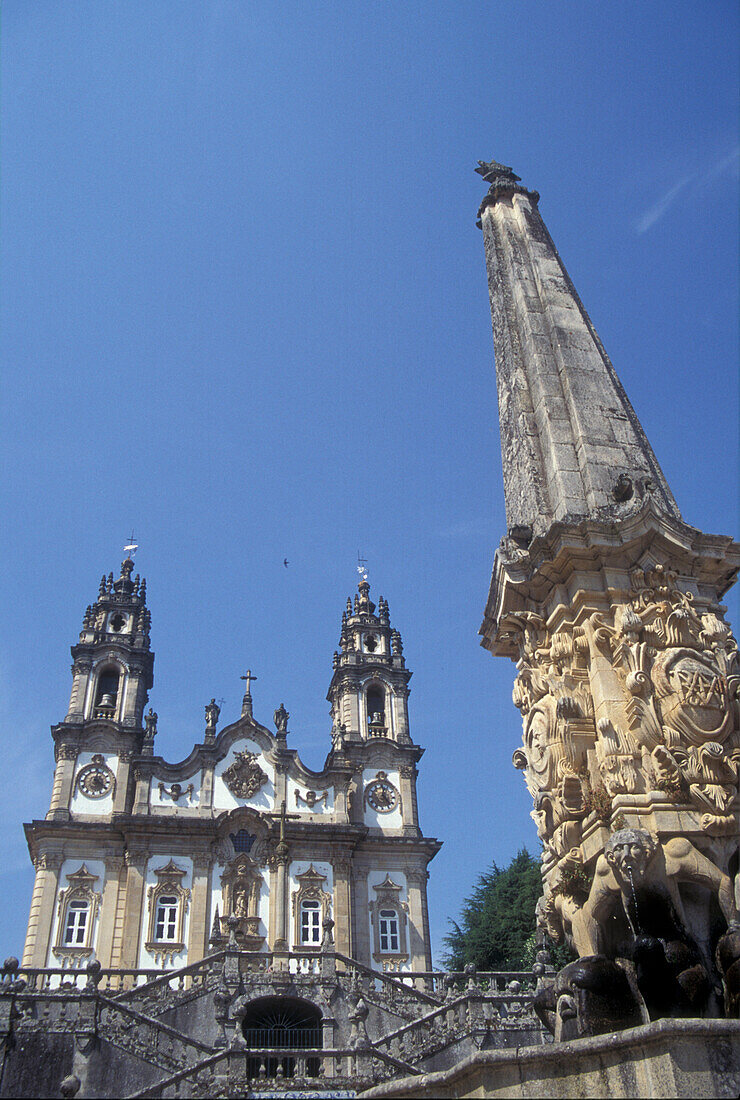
285	562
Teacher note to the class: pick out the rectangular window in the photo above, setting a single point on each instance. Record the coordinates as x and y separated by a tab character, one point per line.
311	923
165	926
389	941
76	924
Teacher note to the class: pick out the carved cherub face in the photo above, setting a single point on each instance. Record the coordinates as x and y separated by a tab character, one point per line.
628	852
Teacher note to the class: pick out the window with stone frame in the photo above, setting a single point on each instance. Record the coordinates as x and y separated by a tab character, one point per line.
168	905
311	907
389	919
78	907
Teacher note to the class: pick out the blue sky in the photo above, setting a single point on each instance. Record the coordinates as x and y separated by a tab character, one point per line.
244	311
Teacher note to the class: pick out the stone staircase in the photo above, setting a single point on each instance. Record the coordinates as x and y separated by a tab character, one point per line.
183	1028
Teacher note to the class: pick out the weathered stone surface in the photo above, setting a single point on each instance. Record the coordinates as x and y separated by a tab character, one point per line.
189	1029
609	603
559	396
663	1059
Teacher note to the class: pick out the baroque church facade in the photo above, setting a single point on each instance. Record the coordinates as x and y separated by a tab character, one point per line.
143	864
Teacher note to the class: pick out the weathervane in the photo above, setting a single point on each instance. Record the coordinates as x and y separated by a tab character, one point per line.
362	566
132	547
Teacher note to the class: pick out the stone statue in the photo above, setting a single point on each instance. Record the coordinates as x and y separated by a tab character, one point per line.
240	901
281	717
634	910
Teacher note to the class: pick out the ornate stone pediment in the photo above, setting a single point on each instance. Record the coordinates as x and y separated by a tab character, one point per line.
244	776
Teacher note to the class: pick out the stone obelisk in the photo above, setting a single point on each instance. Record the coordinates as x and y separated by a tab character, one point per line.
610	605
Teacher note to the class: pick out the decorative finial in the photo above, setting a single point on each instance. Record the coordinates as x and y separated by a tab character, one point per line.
502	181
247	700
495	173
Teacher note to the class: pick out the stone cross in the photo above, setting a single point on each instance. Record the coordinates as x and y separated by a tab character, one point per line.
247	700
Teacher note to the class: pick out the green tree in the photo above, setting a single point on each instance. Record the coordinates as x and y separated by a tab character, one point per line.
498	919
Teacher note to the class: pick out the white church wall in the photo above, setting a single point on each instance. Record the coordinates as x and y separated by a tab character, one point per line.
378	819
263	799
160	796
299	805
84	804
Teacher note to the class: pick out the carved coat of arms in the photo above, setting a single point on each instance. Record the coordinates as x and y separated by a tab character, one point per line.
244	776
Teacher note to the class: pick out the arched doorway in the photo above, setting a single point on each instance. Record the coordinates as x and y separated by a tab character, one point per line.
280	1023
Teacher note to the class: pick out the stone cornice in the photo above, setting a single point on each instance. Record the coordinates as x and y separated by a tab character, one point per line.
525	579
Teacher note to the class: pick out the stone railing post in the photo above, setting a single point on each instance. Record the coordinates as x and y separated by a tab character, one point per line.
328	954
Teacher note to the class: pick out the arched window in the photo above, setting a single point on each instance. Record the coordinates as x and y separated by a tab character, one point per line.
75	925
388	931
311	922
106	694
375	700
165	922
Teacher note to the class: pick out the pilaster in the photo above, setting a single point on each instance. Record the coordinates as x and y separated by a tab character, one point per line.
419	951
61	794
136	861
409	806
200	908
120	802
142	786
43	904
109	909
205	805
360	916
80	681
343	906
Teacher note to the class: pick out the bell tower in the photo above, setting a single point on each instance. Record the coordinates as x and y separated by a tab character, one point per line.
369	689
112	670
112	673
